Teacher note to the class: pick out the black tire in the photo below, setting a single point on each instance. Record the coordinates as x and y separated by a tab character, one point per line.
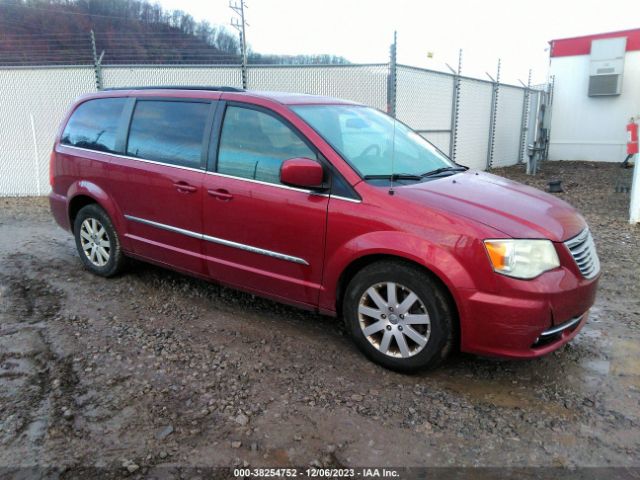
116	259
433	298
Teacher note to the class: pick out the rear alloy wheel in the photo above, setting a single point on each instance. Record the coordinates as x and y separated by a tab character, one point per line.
97	241
399	316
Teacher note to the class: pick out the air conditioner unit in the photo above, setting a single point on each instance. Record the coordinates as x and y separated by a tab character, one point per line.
606	66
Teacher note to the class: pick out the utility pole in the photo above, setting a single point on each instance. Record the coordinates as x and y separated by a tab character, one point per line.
238	7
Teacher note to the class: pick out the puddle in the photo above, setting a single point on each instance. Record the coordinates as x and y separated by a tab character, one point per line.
601	367
502	394
36	429
498	395
623	364
23	342
591	333
625	360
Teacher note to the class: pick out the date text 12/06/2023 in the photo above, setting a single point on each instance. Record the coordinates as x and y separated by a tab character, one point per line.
313	472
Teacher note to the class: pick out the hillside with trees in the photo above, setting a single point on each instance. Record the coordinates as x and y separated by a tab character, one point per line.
41	32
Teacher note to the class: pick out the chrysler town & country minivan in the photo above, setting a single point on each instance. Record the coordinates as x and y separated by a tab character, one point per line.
328	205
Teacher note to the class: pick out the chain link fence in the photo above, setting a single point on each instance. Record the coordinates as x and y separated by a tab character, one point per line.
461	116
424	101
32	104
507	146
474	119
145	76
365	84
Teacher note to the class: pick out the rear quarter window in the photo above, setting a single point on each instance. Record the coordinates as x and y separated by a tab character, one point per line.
94	125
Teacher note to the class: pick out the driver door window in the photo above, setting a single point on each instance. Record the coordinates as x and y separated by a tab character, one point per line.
253	145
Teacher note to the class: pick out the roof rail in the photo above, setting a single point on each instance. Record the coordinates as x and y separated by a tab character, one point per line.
179	87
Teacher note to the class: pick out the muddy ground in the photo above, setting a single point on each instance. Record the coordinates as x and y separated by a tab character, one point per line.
156	369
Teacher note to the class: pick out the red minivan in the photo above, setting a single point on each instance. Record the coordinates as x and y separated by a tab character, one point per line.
328	205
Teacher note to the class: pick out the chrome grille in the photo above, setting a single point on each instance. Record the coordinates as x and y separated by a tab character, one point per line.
583	250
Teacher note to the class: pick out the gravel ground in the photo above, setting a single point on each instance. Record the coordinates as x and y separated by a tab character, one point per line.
156	370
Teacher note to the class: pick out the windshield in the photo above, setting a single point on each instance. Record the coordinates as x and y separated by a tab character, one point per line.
373	143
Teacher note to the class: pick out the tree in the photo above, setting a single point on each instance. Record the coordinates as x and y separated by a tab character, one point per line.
129	31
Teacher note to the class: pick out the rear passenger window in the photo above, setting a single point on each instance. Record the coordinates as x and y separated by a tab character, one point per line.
254	144
168	132
94	124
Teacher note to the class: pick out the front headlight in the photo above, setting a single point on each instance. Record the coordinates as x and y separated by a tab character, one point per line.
522	258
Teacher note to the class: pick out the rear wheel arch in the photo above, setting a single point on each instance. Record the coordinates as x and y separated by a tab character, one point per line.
76	204
84	193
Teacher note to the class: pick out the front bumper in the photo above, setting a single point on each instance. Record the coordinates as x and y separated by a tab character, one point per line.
529	319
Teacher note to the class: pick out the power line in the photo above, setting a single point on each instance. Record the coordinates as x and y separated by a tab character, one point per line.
67	12
124	41
164	13
13	22
84	35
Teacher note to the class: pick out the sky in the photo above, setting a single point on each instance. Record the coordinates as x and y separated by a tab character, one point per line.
430	33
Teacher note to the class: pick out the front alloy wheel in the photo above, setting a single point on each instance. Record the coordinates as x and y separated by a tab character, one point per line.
399	315
394	319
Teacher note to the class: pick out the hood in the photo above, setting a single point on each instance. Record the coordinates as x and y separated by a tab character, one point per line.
515	209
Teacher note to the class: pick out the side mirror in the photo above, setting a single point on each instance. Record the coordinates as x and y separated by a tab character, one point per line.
302	172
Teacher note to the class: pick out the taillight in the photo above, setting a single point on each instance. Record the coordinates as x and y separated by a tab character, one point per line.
52	165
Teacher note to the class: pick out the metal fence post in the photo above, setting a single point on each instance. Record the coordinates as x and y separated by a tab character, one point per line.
524	125
97	67
392	78
240	25
455	102
493	117
243	65
634	206
244	75
547	116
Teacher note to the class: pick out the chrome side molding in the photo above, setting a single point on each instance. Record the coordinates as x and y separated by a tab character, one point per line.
220	241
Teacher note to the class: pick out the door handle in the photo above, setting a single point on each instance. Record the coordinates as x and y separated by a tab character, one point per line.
184	187
220	194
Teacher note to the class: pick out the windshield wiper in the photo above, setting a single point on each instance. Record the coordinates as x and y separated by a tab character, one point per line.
440	170
394	176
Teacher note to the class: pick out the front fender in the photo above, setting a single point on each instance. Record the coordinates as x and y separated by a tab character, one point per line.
442	259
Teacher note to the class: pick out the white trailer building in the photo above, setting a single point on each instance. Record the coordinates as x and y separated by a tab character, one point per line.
596	91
